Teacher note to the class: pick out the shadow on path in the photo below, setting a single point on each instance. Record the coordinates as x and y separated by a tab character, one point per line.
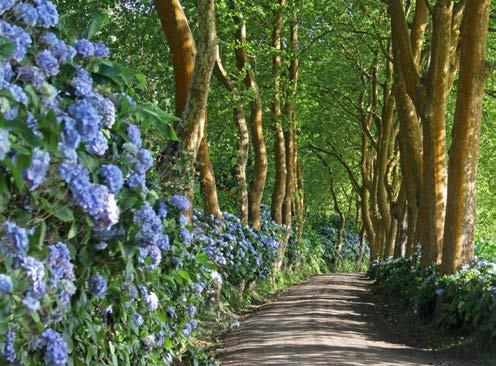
328	320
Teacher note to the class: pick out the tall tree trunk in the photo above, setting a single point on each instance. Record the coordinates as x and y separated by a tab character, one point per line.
192	73
464	154
208	187
434	133
243	139
192	126
342	224
256	124
279	141
182	46
290	133
290	180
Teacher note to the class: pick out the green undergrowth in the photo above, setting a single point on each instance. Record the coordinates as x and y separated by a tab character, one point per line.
455	313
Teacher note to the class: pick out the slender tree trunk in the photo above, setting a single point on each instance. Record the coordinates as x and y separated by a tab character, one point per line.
256	125
243	139
208	187
464	154
342	224
279	141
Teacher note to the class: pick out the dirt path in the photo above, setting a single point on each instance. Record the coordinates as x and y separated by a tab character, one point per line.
328	320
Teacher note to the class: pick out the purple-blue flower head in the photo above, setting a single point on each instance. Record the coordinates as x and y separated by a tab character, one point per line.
26	13
14	242
9	350
97	146
18	36
112	177
6	5
48	15
137	319
59	264
47	62
35	270
84	48
55	347
82	82
87	119
30	75
98	286
35	175
180	202
6	284
101	50
134	134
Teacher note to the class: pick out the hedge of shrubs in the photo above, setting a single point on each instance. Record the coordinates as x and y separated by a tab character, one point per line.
96	265
463	301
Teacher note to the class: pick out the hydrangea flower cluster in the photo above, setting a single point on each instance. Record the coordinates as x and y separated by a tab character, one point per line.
241	253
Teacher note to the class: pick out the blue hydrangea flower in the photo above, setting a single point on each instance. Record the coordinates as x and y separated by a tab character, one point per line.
98	145
56	352
9	350
6	73
26	13
183	220
5	144
47	62
82	82
150	224
98	286
171	312
163	243
159	338
35	271
87	119
134	134
15	240
84	48
6	284
180	202
101	50
110	213
113	178
153	252
137	319
30	75
48	15
59	264
187	329
31	303
18	36
151	300
18	94
60	50
35	175
107	110
6	5
137	180
186	236
191	311
162	210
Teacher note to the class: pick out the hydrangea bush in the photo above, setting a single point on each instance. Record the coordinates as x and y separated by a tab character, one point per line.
96	266
465	300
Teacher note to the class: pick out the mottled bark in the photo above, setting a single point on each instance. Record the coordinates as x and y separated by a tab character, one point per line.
279	141
208	187
192	126
243	139
464	154
256	124
432	112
